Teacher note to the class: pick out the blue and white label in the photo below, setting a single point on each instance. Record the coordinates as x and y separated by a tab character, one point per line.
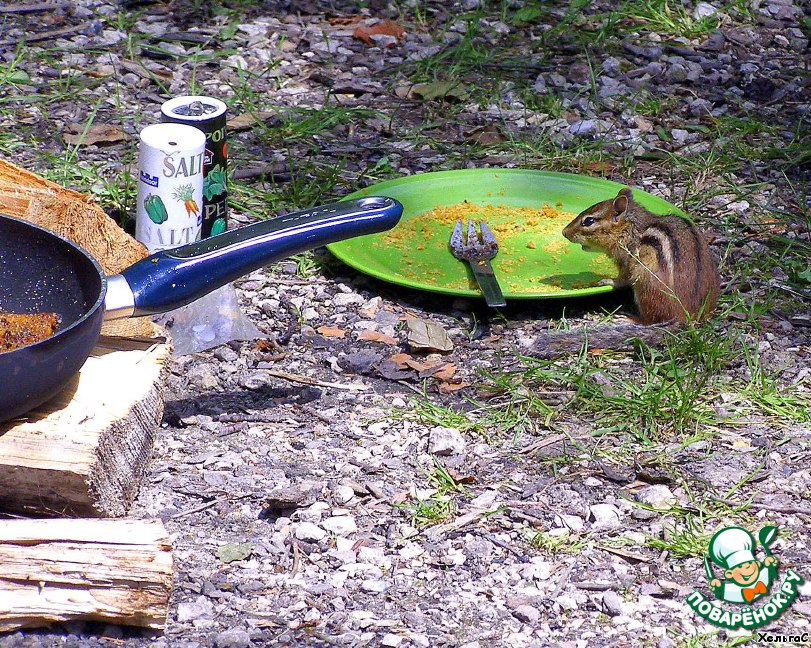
151	180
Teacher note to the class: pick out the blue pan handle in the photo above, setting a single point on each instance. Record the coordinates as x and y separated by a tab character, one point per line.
173	278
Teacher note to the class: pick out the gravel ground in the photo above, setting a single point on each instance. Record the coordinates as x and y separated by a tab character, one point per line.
290	471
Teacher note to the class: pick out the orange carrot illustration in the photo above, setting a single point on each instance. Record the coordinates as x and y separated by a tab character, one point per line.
185	193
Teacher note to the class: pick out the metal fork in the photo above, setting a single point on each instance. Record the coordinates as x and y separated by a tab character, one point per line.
477	251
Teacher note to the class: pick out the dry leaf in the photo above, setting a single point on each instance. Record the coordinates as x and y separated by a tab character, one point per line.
377	336
599	167
401	360
96	134
385	28
490	134
370	312
458	477
741	444
427	335
331	331
447	388
446	90
244	121
419	366
344	21
446	372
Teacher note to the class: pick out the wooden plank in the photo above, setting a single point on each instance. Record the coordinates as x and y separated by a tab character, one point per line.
86	451
117	571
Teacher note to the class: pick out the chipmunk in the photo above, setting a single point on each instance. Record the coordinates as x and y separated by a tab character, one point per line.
665	261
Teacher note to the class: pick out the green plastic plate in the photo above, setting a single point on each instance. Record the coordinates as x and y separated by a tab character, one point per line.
534	260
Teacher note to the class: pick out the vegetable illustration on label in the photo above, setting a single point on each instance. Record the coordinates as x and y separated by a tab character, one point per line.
185	194
218	227
155	209
215	182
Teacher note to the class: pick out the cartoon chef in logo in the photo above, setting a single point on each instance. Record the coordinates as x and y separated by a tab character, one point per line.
745	578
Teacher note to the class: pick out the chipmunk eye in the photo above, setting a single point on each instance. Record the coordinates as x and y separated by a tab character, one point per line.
588	221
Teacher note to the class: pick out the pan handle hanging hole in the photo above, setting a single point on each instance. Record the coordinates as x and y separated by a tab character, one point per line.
373	202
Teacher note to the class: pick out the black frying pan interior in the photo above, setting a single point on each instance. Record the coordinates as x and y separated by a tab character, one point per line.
40	273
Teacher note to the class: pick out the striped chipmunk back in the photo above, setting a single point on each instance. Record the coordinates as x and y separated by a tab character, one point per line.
664	259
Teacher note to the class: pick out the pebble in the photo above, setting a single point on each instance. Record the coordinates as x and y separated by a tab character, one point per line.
340	525
527	614
582	127
309	532
613	603
200	608
704	10
446	441
605	516
657	496
391	640
232	638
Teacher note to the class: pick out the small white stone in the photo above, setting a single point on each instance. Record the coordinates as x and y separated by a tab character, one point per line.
345	299
657	496
411	550
343	494
309	532
376	586
340	524
527	614
446	441
572	522
704	10
391	640
606	516
537	569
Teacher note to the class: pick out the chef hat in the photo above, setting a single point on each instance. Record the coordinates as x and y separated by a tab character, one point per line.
731	547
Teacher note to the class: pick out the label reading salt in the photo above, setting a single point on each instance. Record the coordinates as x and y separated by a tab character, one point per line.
170	186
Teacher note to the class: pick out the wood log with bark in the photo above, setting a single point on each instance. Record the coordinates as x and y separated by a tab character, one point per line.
86	451
116	571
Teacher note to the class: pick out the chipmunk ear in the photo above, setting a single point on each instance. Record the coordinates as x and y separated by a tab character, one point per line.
621	204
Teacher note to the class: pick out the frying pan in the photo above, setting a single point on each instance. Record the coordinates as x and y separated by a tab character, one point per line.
43	272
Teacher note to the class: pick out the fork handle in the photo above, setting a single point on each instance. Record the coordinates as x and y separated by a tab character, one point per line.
486	278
